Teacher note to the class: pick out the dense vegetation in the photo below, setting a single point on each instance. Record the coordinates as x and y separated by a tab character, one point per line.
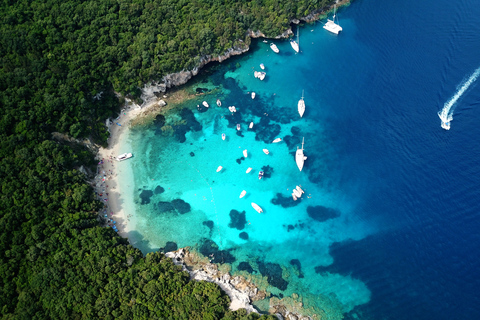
61	63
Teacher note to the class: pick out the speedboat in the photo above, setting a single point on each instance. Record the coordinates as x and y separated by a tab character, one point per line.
205	104
274	47
219	103
294	197
219	168
266	151
232	109
257	207
243	194
260	175
248	170
277	140
250	126
262	75
223	136
294	45
238	127
262	66
245	154
253	95
299	189
124	156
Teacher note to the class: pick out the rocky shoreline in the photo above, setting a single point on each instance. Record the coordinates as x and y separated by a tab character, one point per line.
241	291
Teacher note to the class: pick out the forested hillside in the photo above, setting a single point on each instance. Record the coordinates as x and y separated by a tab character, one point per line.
61	64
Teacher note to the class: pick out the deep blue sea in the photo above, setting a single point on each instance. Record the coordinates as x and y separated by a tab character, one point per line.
388	226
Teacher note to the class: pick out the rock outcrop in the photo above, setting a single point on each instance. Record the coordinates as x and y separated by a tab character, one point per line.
240	291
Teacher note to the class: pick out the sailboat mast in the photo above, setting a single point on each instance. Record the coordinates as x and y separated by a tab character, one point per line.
303	141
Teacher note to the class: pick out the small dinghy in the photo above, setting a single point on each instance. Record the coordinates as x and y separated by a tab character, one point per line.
294	197
277	140
297	193
223	136
262	66
266	151
257	207
245	154
260	175
243	194
253	95
219	168
250	125
248	170
299	189
238	127
205	104
219	103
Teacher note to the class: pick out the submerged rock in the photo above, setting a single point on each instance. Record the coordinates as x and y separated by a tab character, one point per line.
297	266
145	195
181	206
165	206
245	266
237	219
210	249
208	223
285	202
159	190
273	272
267	172
169	247
243	235
321	213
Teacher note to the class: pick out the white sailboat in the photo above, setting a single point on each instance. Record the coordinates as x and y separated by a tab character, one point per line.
295	44
301	106
331	25
300	157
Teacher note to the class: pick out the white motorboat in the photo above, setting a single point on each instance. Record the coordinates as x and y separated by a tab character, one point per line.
253	95
205	104
219	103
299	189
245	154
296	44
248	170
124	156
277	140
219	168
260	175
257	207
238	127
331	25
262	66
232	109
294	197
250	126
274	47
259	75
243	194
266	151
300	157
297	193
223	136
301	106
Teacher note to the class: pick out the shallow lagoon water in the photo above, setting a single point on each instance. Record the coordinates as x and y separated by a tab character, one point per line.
397	237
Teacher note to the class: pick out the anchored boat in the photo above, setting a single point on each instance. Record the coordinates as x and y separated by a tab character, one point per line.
124	156
257	207
300	157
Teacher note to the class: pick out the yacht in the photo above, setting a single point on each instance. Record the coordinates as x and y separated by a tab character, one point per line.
274	47
301	106
259	75
300	157
297	193
257	207
331	25
205	104
243	194
266	151
294	45
124	156
219	168
238	127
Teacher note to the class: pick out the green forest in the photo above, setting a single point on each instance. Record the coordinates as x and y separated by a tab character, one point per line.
63	66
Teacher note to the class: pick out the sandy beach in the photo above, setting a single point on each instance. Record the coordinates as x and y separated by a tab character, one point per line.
107	187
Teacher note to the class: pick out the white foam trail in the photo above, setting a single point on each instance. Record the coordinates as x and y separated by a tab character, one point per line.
446	114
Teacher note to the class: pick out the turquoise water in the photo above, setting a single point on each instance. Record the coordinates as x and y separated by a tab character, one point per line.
386	227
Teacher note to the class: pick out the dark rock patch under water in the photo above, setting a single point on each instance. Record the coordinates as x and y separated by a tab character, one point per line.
159	190
192	154
145	195
239	160
267	172
273	272
285	202
201	90
321	213
181	206
190	123
208	223
267	132
165	206
169	246
245	266
237	219
243	235
297	266
293	142
210	249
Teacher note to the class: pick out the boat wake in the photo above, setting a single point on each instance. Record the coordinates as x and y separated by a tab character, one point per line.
446	114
